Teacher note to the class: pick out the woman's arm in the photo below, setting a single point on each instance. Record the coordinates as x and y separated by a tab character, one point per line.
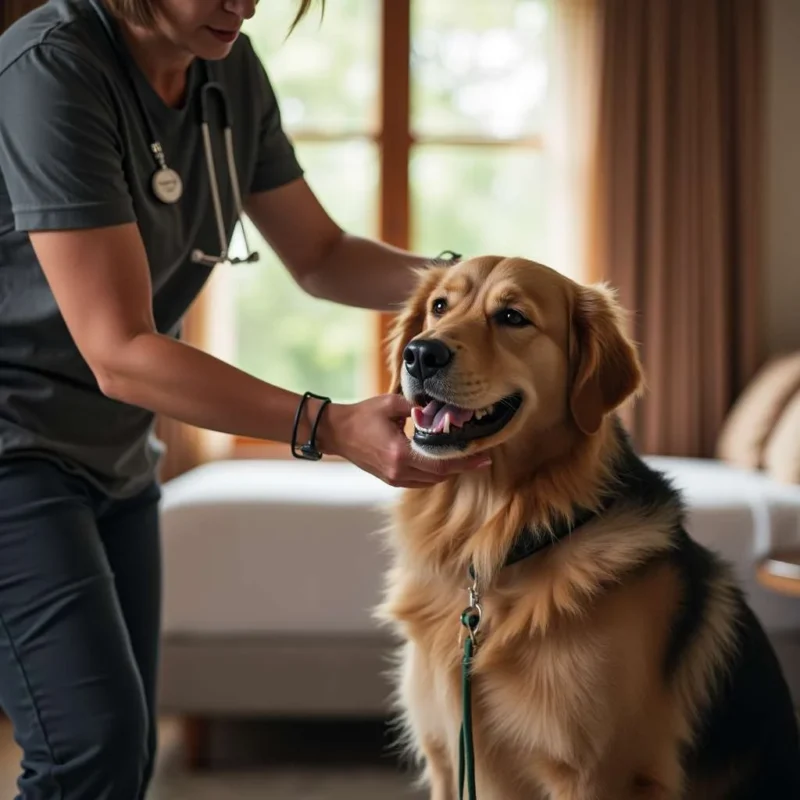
324	260
102	286
101	283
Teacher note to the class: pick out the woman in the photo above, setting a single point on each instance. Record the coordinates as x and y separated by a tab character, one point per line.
105	195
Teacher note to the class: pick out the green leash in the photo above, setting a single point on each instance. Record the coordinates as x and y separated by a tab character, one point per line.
470	619
528	543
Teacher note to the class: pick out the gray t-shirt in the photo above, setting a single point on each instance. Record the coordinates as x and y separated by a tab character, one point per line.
75	153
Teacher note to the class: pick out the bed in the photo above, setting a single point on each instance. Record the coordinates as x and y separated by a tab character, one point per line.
272	568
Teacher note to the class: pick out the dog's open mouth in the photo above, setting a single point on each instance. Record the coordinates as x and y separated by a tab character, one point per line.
437	423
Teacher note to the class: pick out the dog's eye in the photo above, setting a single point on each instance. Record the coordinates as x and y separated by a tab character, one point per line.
439	306
511	317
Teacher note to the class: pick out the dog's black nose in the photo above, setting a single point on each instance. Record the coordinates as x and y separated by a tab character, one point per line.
425	357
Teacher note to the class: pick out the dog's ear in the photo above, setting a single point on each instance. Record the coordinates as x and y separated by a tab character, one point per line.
410	321
606	367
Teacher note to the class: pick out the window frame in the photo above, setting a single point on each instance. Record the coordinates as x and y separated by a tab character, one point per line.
395	140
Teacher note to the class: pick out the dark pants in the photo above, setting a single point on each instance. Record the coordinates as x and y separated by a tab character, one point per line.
80	596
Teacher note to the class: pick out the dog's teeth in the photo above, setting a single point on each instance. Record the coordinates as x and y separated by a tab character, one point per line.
446	425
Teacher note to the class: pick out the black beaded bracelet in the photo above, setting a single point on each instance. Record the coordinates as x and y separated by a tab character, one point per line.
309	450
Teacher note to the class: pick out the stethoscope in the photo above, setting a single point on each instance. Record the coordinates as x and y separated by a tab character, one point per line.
198	256
166	183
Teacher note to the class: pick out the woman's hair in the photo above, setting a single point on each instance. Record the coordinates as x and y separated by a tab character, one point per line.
302	10
142	12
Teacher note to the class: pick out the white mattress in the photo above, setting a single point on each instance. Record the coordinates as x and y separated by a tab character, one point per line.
260	547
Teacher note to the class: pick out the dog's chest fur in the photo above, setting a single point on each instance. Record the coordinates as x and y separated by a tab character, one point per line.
508	682
559	652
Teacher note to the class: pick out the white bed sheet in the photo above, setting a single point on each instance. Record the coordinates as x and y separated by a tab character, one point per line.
260	547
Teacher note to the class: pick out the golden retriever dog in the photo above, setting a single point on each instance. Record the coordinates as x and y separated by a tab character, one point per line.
615	657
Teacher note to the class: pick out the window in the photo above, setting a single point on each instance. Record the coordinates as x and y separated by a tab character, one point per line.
416	122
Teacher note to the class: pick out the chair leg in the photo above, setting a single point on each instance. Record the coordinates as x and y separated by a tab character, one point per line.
197	741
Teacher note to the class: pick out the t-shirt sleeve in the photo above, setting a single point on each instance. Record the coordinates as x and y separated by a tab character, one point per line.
61	154
276	162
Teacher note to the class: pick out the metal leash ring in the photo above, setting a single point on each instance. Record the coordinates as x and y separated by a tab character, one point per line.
471	619
472	615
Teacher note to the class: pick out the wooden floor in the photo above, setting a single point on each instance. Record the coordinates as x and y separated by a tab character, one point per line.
285	762
254	762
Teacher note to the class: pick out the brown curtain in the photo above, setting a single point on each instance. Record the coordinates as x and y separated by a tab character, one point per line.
186	446
676	204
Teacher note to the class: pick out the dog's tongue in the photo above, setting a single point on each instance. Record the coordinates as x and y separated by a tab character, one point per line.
432	417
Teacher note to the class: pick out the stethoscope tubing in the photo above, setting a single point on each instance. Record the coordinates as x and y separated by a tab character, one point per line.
227	131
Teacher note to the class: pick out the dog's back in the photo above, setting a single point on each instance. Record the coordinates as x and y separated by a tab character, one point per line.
746	744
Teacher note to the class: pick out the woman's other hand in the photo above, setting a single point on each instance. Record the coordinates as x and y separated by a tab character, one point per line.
370	435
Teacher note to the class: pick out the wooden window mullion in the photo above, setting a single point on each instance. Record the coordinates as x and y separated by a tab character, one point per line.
395	144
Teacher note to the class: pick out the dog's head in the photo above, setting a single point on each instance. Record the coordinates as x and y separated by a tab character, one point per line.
496	350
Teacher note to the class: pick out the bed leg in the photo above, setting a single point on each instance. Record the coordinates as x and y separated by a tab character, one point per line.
196	741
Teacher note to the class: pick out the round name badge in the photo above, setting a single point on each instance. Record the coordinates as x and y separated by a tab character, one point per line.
167	185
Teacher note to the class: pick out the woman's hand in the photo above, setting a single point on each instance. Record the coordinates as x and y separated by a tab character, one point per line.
370	435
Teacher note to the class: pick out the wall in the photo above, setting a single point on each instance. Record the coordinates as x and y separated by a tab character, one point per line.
781	291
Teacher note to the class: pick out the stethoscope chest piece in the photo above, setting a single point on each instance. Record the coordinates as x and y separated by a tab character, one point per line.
167	185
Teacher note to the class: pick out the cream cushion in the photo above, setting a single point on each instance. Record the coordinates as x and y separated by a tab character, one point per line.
751	420
273	546
782	451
